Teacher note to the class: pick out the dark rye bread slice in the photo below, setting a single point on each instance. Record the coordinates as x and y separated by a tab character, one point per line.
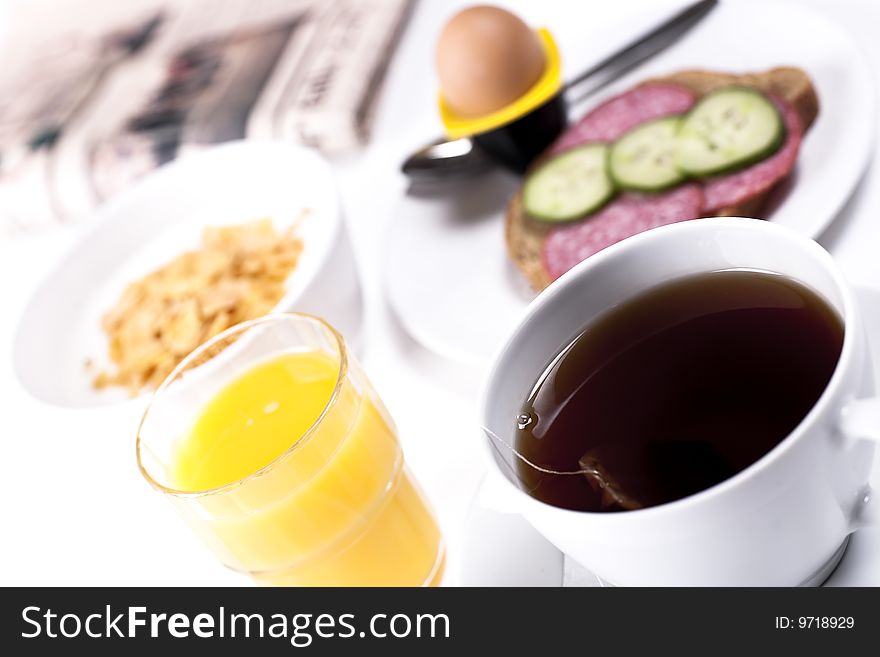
525	236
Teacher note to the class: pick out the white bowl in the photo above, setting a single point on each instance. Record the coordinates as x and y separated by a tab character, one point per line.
162	216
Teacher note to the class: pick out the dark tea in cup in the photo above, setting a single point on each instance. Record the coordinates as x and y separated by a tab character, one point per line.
676	389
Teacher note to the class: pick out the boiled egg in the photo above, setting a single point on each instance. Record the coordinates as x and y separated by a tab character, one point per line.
486	59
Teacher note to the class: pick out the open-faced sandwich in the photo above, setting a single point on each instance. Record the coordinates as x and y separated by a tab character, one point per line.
688	145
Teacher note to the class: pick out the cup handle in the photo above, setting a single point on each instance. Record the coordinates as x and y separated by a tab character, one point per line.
860	420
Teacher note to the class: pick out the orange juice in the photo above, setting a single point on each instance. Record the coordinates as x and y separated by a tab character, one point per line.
312	486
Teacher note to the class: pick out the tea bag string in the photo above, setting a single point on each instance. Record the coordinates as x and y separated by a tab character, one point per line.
611	492
525	419
494	436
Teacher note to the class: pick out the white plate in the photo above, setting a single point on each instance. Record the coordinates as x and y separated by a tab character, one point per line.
489	558
163	216
447	273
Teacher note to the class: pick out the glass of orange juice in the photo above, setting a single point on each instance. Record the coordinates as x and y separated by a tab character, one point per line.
274	446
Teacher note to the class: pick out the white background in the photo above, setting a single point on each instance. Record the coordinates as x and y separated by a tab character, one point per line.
74	508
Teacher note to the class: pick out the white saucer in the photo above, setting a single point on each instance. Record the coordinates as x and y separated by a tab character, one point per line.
503	549
447	273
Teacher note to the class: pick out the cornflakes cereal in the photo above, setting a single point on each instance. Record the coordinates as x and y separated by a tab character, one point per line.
236	275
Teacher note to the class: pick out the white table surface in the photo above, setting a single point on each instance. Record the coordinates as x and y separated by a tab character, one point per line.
75	509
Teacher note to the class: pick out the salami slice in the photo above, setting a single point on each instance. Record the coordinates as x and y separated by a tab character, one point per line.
615	116
628	215
737	188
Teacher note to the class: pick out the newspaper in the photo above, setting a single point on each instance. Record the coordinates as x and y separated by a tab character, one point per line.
108	95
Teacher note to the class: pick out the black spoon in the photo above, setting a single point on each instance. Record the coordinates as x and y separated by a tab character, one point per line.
451	160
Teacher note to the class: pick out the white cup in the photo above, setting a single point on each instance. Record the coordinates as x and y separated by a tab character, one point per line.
783	521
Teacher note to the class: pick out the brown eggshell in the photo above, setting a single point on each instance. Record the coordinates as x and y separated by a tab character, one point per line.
486	59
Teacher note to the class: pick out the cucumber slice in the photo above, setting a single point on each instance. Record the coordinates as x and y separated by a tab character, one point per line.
570	185
644	158
728	129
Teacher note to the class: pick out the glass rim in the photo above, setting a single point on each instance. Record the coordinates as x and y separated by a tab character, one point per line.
241	328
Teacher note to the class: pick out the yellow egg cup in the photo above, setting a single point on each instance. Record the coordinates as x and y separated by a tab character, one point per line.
547	86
